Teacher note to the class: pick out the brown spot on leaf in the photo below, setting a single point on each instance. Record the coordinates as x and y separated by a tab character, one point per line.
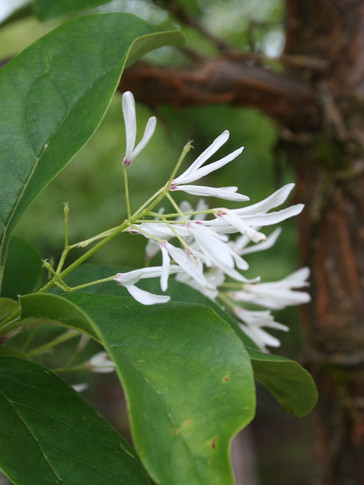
226	378
213	443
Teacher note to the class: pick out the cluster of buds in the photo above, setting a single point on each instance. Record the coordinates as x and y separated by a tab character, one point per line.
206	248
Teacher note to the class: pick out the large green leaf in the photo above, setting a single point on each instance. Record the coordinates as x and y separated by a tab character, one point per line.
288	382
22	269
54	95
285	379
49	434
45	9
186	375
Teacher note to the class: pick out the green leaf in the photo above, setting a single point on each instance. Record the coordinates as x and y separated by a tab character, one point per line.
54	95
186	375
285	379
45	9
7	307
22	269
50	434
39	309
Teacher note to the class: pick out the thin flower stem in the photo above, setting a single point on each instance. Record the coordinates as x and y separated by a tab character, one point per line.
190	213
96	282
226	300
57	279
66	244
125	172
84	257
155	238
144	210
185	150
235	286
182	241
66	212
76	368
64	337
31	336
175	205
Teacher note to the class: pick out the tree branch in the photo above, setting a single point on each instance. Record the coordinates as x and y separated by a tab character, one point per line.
226	80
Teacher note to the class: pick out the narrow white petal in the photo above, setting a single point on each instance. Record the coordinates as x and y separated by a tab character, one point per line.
211	150
261	337
239	262
216	250
134	276
273	217
144	297
227	193
298	279
262	246
148	133
80	387
128	105
188	263
130	277
166	264
240	224
211	167
162	231
240	243
274	200
101	363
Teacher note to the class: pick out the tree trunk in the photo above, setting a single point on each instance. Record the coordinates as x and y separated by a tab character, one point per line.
330	172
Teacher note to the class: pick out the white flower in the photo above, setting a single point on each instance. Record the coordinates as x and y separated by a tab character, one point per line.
161	230
101	363
188	261
216	250
240	244
215	277
245	220
128	105
196	171
252	323
276	295
129	279
80	387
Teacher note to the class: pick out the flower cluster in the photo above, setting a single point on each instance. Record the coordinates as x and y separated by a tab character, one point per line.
205	247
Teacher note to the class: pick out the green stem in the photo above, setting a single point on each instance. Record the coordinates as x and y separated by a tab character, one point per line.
66	243
175	205
234	286
64	337
84	257
83	366
96	282
125	172
185	150
149	236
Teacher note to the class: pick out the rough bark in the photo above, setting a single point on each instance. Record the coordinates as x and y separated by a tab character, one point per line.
319	105
331	183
